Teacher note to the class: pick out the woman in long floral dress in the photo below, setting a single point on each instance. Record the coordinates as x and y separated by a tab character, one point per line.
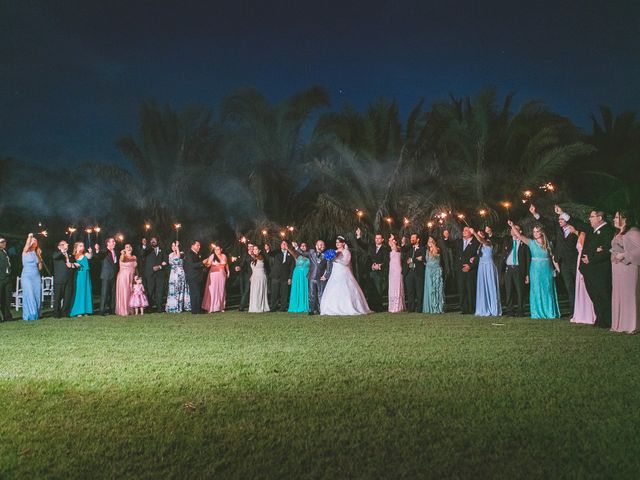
178	299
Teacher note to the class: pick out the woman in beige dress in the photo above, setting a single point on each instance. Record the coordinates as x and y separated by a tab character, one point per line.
625	259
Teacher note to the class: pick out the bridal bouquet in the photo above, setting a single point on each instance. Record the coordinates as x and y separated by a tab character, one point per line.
330	254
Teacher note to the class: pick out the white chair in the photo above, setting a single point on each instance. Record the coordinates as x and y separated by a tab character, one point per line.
47	289
17	295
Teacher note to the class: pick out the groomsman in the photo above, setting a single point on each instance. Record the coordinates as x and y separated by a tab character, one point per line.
5	282
154	262
515	268
63	280
281	272
319	273
414	257
194	273
244	270
465	258
595	263
108	272
377	270
564	253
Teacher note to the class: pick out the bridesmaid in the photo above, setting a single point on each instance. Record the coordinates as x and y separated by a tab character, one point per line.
625	257
487	287
433	282
396	284
30	279
82	300
124	280
214	291
299	298
543	296
583	311
178	298
258	294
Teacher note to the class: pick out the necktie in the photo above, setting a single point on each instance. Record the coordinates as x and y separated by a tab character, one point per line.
284	257
113	256
514	254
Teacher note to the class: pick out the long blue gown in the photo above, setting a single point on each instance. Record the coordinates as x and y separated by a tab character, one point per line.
488	286
299	298
433	299
31	287
82	301
543	296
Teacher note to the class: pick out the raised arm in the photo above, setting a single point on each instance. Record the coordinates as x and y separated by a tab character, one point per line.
517	234
27	243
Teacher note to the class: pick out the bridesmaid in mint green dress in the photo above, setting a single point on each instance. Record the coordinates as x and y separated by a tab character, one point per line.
82	301
299	298
433	299
542	295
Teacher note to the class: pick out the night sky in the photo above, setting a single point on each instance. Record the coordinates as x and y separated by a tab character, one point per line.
74	73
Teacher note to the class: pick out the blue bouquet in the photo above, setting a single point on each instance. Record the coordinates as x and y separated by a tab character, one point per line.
330	254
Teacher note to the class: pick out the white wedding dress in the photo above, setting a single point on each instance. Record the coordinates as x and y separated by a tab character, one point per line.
343	295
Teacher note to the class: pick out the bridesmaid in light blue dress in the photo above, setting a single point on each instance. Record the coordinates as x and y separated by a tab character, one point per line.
30	279
299	298
433	299
487	286
82	300
543	296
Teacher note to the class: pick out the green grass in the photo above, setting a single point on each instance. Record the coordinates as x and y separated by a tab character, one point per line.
277	395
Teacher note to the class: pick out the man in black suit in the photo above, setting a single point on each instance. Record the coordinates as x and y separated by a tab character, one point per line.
281	272
376	266
5	282
244	270
413	270
108	272
564	253
194	273
63	280
595	263
465	259
516	259
155	261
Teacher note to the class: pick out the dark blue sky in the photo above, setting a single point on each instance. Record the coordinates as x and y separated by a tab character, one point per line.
74	73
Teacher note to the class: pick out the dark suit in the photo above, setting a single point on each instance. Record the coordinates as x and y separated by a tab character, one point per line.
5	286
515	275
375	281
281	272
466	281
194	274
413	276
318	268
108	272
63	284
597	273
245	279
156	279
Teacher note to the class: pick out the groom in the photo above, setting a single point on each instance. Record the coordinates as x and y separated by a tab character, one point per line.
319	273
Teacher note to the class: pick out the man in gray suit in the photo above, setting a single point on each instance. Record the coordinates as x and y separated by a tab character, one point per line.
319	273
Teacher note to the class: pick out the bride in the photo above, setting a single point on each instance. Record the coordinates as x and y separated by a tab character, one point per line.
342	294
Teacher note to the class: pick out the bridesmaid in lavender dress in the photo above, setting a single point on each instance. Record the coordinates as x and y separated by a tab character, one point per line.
625	258
214	291
583	311
124	280
488	286
396	285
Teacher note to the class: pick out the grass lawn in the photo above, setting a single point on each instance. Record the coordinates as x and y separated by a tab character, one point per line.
278	395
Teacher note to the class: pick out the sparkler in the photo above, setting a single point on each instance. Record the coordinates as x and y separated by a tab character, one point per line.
507	206
461	217
177	227
71	231
89	230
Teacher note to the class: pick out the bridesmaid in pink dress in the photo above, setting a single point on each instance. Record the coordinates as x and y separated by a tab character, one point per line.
583	311
625	259
214	292
396	285
124	281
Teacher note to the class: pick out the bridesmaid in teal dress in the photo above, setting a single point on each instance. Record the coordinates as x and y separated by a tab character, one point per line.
82	301
433	299
542	295
299	298
30	279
